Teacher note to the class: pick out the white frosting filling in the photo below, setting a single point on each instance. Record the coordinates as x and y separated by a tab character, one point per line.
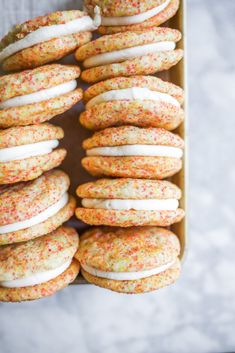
126	276
39	218
27	151
139	205
39	96
137	150
36	278
128	53
43	34
132	94
130	20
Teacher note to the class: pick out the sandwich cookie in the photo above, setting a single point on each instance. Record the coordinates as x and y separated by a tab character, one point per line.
44	39
122	15
130	53
40	267
134	260
145	101
129	202
35	96
32	209
28	151
133	152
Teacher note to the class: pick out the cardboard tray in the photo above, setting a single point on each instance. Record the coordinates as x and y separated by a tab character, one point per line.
75	134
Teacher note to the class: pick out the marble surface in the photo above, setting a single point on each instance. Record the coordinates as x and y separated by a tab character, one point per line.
197	314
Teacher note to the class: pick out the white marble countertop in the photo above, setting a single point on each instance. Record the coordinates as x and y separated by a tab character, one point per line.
197	314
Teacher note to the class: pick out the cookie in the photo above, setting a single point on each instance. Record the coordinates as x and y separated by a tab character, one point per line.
45	39
133	260
130	53
145	101
133	152
28	151
35	96
122	15
40	267
34	208
129	202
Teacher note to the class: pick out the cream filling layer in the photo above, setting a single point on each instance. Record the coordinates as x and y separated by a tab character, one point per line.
130	20
126	205
27	151
136	150
132	94
36	278
40	96
128	53
39	218
126	276
43	34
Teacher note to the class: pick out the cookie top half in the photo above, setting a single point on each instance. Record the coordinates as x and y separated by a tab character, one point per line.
129	15
125	40
127	250
126	188
121	8
20	31
38	255
24	135
119	83
27	199
30	81
131	135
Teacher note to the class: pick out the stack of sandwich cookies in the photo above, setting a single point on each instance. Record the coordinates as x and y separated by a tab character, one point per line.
40	267
34	96
122	15
36	252
134	260
133	152
46	39
129	202
130	53
28	151
139	100
135	114
32	209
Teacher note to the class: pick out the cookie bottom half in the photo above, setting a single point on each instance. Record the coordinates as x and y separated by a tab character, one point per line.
137	286
41	290
132	167
30	168
129	218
